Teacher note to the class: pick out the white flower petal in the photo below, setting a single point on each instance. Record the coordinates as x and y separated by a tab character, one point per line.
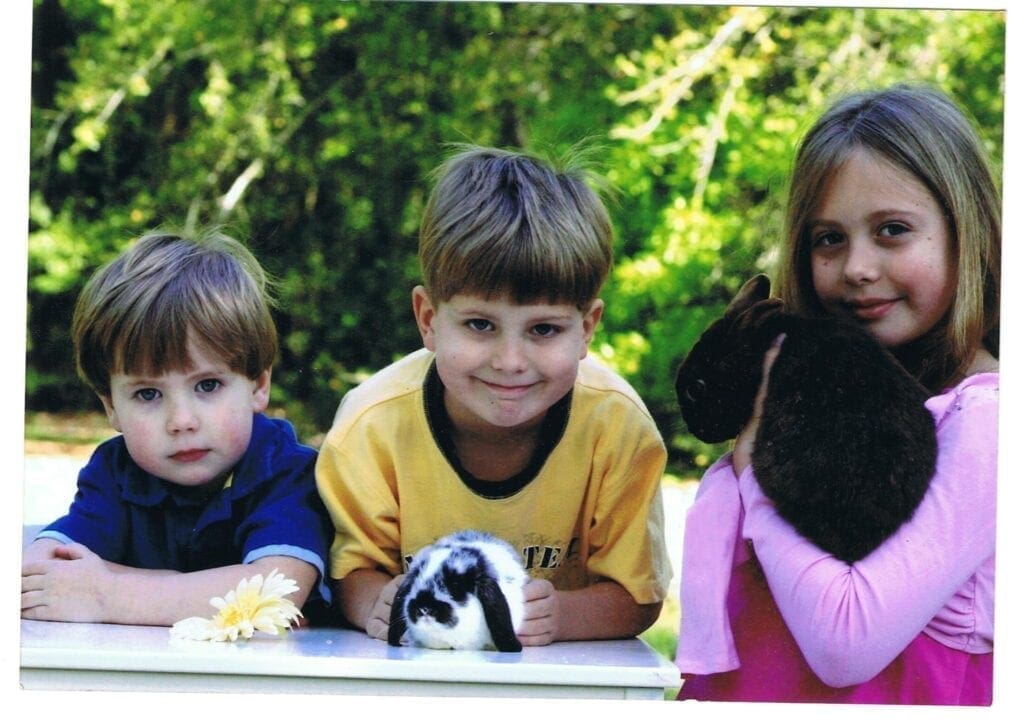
277	585
193	629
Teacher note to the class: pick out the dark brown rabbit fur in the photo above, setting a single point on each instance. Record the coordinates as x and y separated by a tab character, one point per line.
845	447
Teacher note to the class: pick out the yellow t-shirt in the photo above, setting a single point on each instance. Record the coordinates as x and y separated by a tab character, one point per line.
592	511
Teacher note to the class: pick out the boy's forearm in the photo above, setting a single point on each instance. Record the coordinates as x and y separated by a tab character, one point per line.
163	597
602	611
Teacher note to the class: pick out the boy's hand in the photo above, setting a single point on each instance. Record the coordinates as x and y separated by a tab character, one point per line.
380	616
71	585
540	613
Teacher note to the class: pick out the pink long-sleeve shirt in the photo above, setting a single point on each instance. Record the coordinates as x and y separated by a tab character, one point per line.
908	623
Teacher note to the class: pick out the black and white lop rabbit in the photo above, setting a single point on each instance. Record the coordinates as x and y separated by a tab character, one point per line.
464	592
845	447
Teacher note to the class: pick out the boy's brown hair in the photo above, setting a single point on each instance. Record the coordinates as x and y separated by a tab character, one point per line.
138	312
501	222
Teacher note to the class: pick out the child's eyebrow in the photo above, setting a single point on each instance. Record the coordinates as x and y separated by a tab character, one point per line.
139	382
140	377
191	373
472	312
539	318
208	371
549	318
873	216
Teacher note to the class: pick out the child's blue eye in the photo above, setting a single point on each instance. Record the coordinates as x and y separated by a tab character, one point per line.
147	395
546	330
479	324
208	385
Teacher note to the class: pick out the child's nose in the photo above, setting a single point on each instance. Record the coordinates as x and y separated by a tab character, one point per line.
181	417
862	263
509	355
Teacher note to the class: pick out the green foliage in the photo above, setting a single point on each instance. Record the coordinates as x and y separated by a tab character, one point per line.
309	129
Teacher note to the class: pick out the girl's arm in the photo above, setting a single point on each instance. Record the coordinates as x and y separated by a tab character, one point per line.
850	621
76	585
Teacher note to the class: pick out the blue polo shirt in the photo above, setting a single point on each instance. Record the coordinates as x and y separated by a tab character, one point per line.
270	507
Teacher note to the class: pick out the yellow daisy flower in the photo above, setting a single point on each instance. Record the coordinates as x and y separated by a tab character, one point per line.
255	604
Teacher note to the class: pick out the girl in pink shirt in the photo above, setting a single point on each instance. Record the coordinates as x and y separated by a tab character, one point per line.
893	220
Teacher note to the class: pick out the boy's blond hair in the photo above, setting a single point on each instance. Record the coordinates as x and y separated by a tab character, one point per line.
138	312
920	130
507	223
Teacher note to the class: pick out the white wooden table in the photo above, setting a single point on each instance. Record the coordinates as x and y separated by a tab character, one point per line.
79	656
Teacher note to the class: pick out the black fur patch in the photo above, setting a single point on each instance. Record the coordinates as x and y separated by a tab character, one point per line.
845	448
459	573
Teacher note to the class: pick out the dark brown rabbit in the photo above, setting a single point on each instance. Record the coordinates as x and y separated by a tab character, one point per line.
845	447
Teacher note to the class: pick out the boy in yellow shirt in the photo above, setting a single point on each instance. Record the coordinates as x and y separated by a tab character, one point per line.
502	422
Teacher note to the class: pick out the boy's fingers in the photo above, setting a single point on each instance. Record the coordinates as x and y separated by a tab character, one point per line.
534	640
537	624
32	599
377	629
536	589
33	569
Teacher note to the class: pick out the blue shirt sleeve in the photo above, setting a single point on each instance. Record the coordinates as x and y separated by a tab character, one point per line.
287	516
97	517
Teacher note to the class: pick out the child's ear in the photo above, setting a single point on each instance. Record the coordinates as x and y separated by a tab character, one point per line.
261	391
108	407
591	317
424	311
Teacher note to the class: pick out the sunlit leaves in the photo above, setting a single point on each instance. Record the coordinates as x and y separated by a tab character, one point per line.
310	127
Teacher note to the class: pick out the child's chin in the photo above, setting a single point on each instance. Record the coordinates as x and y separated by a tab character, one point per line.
194	479
515	416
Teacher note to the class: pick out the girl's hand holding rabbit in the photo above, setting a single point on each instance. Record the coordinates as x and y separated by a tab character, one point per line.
744	445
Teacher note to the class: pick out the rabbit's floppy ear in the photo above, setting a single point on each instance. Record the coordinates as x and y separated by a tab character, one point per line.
754	290
398	623
497	614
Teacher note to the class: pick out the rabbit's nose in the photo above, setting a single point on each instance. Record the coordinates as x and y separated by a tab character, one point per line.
695	390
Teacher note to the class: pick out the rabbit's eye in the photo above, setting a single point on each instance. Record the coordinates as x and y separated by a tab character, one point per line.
696	389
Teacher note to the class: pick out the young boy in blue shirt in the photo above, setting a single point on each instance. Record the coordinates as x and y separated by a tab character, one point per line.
201	489
503	422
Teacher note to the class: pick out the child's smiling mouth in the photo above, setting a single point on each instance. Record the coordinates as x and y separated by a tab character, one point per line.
871	309
508	390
